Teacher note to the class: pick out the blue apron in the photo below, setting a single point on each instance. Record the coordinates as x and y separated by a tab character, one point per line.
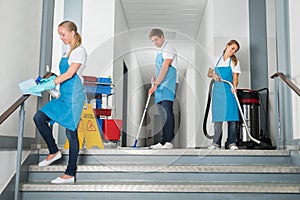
66	110
224	105
166	89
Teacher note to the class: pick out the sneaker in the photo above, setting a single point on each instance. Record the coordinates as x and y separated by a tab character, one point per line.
45	162
233	147
168	145
60	180
156	146
213	147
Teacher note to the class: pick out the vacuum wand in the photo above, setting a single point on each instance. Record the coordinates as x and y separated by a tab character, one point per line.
241	112
143	116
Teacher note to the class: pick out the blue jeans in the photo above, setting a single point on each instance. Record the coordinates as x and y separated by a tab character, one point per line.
42	122
232	128
166	113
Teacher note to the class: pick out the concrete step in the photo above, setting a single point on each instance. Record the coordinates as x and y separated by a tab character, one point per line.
173	168
188	173
162	190
156	195
141	173
176	156
223	187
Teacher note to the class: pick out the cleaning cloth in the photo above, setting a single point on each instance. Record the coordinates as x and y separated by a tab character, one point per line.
25	85
45	84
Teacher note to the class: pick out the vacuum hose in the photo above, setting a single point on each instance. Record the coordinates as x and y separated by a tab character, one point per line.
241	112
239	106
207	110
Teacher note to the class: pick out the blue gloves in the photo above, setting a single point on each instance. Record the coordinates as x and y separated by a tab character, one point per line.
45	80
44	84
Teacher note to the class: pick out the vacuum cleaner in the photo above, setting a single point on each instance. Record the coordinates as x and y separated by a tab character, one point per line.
248	138
251	102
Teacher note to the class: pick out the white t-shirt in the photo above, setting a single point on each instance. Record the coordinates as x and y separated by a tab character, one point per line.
222	63
169	52
78	55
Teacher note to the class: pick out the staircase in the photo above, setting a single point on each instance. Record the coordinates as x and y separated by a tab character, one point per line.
128	173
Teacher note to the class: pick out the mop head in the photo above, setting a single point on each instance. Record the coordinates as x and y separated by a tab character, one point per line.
135	143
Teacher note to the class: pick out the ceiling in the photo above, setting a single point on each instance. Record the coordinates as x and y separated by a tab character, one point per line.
179	19
179	15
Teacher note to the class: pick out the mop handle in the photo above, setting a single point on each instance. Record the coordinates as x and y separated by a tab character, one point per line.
241	111
144	113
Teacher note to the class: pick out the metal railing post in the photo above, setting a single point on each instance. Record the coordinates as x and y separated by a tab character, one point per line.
19	150
277	115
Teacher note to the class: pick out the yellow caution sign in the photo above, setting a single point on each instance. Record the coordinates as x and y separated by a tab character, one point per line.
88	131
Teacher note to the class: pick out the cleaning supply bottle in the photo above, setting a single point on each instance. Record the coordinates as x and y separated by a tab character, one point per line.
54	93
99	102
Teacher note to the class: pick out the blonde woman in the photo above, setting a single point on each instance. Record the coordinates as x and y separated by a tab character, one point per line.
66	110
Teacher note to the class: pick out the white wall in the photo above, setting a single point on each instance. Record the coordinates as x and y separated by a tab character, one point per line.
295	52
57	43
204	50
20	32
98	32
185	125
188	100
120	27
20	39
124	51
8	166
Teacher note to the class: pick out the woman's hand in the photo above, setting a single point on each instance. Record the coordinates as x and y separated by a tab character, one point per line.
233	90
213	75
216	77
68	74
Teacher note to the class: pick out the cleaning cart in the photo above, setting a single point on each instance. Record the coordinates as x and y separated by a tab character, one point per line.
99	91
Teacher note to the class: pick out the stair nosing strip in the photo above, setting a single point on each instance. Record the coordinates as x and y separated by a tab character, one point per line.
164	187
173	168
175	152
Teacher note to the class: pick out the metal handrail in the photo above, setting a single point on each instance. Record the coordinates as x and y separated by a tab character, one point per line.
13	107
280	139
287	81
19	103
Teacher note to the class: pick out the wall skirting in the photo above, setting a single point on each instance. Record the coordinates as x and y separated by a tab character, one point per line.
9	142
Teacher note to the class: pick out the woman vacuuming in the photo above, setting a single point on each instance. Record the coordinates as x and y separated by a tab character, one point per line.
224	106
